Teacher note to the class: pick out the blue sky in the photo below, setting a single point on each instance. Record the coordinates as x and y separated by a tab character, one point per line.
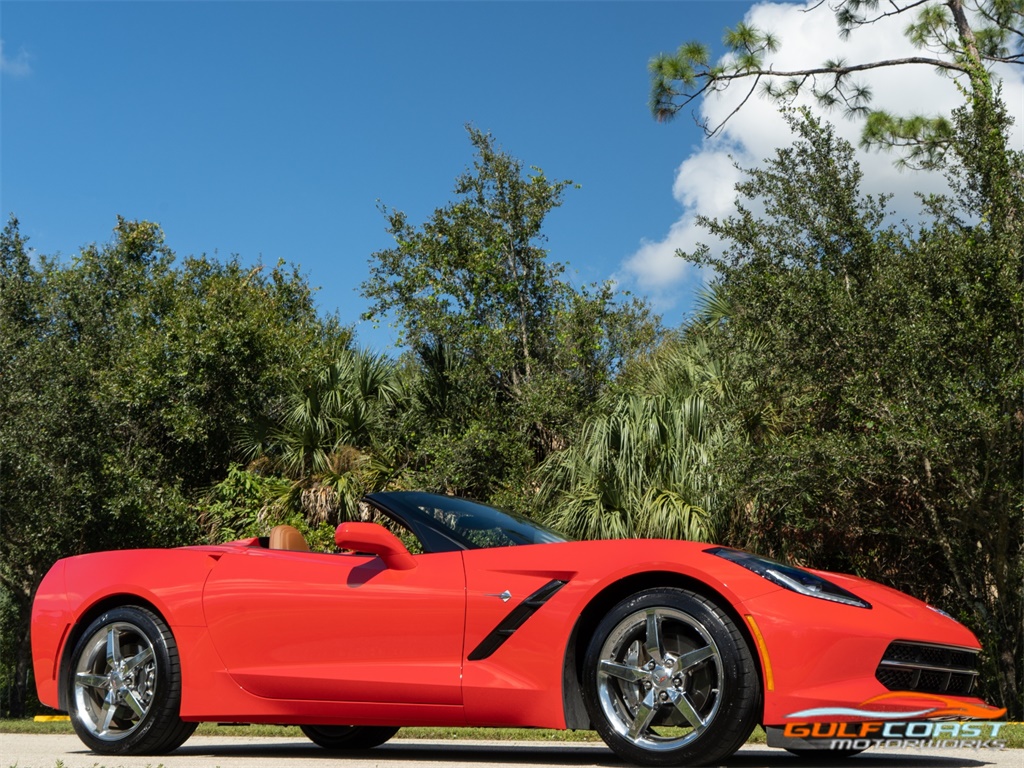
270	129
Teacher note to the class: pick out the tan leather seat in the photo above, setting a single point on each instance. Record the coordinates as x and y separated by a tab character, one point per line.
287	537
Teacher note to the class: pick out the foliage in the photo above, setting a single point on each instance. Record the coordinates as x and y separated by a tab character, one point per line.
123	377
504	360
242	505
890	360
475	276
643	465
326	439
507	356
235	507
885	395
957	38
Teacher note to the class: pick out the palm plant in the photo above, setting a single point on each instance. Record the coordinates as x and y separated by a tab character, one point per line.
644	466
438	394
326	438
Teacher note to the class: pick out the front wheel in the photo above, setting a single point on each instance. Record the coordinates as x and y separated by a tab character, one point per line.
339	737
124	689
669	679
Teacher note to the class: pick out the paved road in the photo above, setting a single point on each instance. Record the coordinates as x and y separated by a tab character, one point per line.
43	751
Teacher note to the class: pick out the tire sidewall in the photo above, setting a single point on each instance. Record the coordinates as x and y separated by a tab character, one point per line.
718	739
136	742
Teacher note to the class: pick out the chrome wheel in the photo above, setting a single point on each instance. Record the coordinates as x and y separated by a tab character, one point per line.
659	678
668	679
115	681
123	684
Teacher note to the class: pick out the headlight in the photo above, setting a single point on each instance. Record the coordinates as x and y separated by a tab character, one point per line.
789	577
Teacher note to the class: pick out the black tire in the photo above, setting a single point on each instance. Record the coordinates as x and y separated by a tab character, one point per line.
668	679
340	737
824	755
124	685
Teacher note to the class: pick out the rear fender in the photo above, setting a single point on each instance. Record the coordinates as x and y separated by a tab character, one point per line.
51	621
167	582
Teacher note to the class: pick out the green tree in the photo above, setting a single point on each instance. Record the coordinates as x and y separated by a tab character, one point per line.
511	353
123	379
475	276
892	361
894	355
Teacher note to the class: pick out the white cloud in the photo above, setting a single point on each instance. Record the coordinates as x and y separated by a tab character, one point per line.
704	184
704	181
19	66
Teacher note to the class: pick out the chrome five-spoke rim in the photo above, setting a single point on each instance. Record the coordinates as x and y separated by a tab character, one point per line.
115	681
659	678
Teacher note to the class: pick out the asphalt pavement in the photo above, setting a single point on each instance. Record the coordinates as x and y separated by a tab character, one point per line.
66	751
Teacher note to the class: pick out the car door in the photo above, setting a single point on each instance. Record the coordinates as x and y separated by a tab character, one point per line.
517	630
344	627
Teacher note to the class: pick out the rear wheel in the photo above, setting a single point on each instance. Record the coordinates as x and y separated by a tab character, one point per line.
338	737
669	679
124	689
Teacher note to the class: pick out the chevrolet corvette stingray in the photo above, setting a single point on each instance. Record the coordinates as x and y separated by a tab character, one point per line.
447	612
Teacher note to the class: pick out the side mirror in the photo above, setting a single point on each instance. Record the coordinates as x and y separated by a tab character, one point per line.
377	540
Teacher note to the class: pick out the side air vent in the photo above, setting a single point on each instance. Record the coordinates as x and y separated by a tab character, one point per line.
940	669
515	619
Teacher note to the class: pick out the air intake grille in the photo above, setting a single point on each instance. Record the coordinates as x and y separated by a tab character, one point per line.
928	668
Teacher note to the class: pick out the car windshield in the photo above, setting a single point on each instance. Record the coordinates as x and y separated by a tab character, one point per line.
474	525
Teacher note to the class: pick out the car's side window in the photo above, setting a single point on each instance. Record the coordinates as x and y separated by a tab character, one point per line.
480	532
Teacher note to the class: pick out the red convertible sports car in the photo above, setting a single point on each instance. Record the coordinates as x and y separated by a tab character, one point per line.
672	650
